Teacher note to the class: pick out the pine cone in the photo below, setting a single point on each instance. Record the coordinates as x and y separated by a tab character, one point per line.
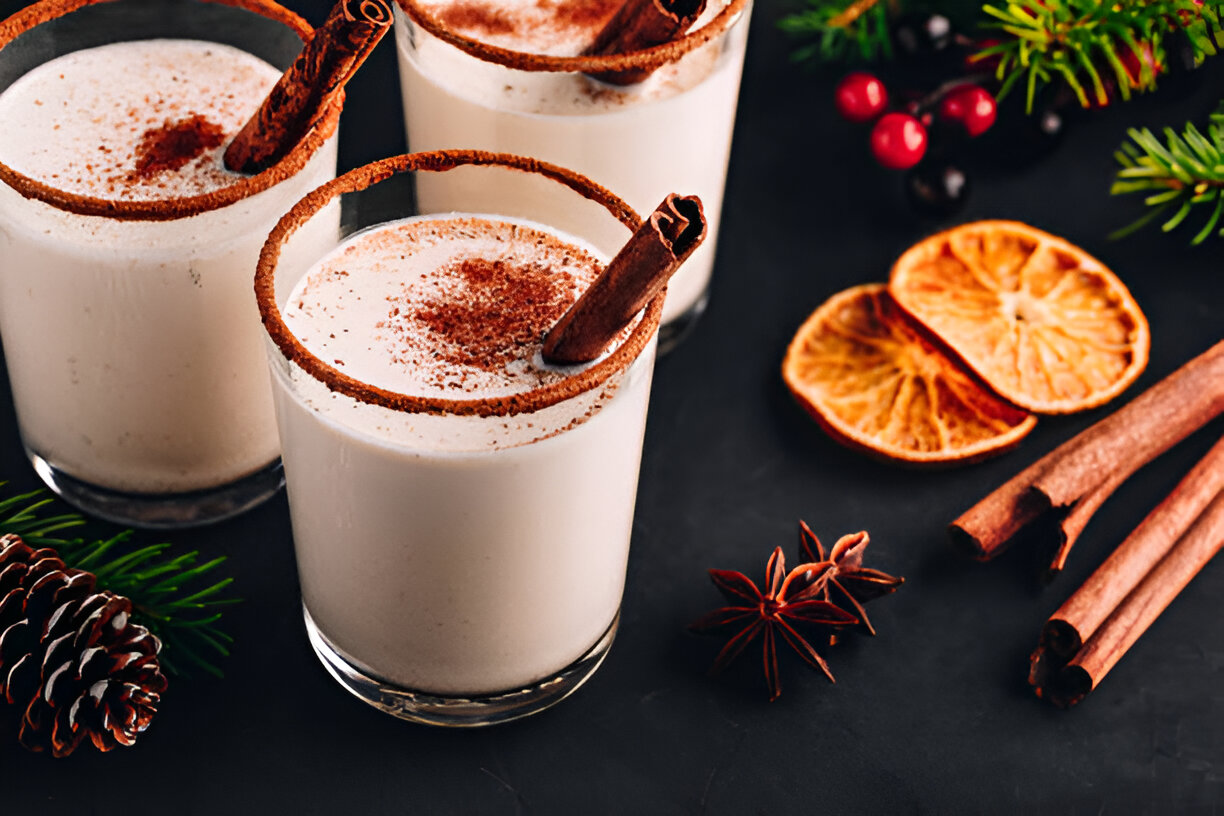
69	655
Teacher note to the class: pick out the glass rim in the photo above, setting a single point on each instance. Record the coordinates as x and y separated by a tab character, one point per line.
361	178
168	209
645	58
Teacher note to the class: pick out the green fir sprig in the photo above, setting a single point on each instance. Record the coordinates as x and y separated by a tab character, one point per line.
162	587
1081	42
1181	175
841	30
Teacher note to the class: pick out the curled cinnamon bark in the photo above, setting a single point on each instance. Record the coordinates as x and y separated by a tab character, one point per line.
640	24
1076	478
637	273
1073	523
304	92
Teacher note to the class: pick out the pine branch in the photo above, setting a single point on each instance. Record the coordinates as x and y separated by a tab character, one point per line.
163	588
841	30
1090	45
1182	175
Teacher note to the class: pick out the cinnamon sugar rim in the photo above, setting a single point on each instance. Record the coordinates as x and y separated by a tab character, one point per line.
440	161
586	64
168	209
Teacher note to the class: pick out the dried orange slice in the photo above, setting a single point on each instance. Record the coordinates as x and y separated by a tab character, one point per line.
867	374
1043	323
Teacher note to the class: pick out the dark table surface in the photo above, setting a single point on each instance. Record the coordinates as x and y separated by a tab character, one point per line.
933	715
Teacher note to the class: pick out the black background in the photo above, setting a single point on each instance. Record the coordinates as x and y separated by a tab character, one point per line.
932	716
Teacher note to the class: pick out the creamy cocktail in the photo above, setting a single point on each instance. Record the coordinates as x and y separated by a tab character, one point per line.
126	253
461	510
508	78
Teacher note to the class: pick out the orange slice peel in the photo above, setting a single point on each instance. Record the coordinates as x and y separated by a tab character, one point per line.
872	379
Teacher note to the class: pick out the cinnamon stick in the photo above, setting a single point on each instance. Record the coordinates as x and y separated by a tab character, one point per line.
637	273
1087	469
1111	640
1082	614
304	92
640	24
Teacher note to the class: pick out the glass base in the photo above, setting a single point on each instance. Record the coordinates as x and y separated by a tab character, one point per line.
674	331
163	510
459	712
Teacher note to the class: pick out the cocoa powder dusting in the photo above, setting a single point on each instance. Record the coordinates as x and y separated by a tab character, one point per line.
493	310
485	18
174	144
587	14
476	17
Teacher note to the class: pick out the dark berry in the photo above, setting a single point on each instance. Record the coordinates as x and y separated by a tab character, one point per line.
970	105
1048	124
922	35
936	189
1024	139
898	141
1179	52
860	97
1182	77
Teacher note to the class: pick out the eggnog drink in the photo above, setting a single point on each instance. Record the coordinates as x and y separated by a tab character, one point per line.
670	131
474	542
133	345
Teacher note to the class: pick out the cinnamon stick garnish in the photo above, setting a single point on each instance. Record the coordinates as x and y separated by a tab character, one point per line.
1075	479
640	24
1132	617
637	273
304	92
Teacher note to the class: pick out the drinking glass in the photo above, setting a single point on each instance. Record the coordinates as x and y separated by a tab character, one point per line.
462	561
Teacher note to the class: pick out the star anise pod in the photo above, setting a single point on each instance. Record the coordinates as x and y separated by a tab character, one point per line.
847	576
789	599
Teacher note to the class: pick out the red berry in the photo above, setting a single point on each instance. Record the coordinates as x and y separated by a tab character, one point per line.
860	97
970	105
898	141
1134	63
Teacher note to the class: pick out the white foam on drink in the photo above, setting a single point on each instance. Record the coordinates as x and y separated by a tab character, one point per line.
370	309
453	307
76	122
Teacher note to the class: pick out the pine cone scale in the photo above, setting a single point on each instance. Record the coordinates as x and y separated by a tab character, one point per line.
16	665
12	575
22	679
